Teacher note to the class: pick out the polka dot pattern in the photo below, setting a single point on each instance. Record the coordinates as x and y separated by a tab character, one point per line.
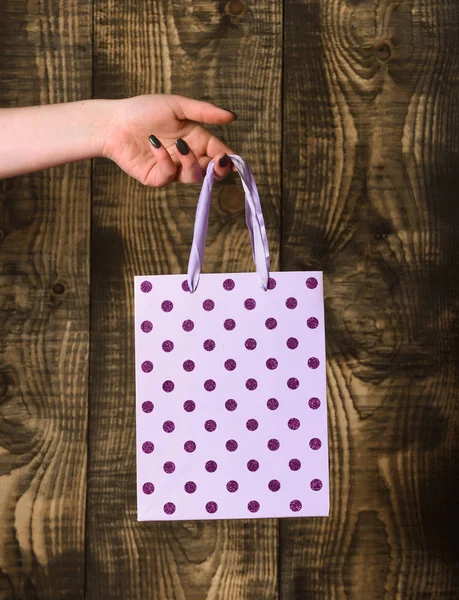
146	287
168	346
148	488
148	406
147	366
209	345
167	306
228	285
188	325
229	324
231	405
250	344
272	404
189	405
208	305
146	326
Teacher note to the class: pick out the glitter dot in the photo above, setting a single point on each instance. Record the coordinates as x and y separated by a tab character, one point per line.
188	366
188	325
294	464
315	444
293	383
250	304
230	364
148	488
231	405
185	286
168	386
314	403
232	486
313	362
146	287
146	326
147	366
272	364
253	465
210	385
169	467
250	344
272	404
148	406
168	426
169	508
253	506
210	425
189	446
316	485
291	303
229	324
274	485
292	343
312	322
311	283
148	447
231	445
271	323
211	507
189	405
273	445
211	466
209	345
167	306
295	506
251	384
293	424
228	285
168	346
252	424
208	305
190	487
271	283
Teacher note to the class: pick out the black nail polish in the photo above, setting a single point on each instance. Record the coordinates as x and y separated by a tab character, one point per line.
182	147
154	141
223	161
230	111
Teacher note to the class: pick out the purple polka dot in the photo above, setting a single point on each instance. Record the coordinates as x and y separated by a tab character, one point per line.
250	304
228	285
273	445
190	487
271	283
169	508
189	405
291	303
148	447
295	506
189	446
146	287
292	343
315	444
316	485
313	362
231	405
208	305
229	324
168	346
210	385
185	286
271	323
250	344
209	345
169	467
274	485
251	384
253	506
211	507
147	366
294	464
272	404
211	466
188	366
293	383
231	445
188	325
232	486
311	283
146	326
314	403
148	488
294	424
252	424
148	406
168	426
253	465
312	322
168	386
230	364
167	306
272	364
210	425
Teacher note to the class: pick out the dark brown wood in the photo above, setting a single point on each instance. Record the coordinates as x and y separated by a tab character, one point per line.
45	57
370	183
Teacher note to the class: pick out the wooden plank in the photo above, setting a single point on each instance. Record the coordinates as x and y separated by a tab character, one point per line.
370	178
45	57
229	53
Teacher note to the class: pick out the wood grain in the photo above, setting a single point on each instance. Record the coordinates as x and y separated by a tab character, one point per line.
208	50
369	195
45	55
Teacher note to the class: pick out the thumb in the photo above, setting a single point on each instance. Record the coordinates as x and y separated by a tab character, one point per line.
204	112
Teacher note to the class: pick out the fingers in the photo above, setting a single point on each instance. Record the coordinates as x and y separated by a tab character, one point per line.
191	171
222	166
203	112
165	170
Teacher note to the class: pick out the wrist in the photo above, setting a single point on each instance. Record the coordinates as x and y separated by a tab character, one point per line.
99	114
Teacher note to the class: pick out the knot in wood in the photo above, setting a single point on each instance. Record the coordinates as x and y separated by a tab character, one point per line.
235	8
58	288
383	51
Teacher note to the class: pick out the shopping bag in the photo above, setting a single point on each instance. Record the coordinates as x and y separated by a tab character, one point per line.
230	385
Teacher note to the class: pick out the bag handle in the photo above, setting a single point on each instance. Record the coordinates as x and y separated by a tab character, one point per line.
254	219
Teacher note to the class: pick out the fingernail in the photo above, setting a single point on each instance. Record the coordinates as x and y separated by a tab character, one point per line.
182	147
154	141
224	160
230	111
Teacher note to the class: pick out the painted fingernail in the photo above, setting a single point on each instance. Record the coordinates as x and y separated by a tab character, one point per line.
230	111
182	147
223	161
154	141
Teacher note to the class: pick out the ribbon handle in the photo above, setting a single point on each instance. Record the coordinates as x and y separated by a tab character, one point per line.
254	219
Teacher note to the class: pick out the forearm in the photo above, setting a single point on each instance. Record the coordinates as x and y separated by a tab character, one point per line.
39	137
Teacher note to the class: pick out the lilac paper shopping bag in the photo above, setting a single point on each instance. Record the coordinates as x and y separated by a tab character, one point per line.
230	386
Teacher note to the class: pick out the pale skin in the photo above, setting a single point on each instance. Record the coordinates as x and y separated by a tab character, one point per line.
126	131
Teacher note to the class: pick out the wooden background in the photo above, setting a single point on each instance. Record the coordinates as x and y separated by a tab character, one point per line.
349	116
